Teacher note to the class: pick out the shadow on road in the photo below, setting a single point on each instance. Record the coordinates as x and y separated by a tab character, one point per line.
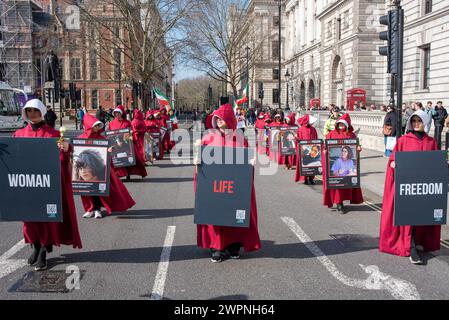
154	213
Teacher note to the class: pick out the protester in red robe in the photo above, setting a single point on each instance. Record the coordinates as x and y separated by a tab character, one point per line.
174	120
277	122
227	241
343	130
44	235
306	131
152	126
118	123
260	130
119	199
288	161
163	118
139	130
208	122
405	240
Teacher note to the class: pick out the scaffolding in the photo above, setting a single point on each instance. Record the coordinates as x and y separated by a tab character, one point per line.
16	43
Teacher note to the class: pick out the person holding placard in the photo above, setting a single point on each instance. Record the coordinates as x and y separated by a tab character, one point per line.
306	131
152	126
44	235
227	241
405	241
174	120
288	161
260	128
139	129
277	122
343	130
119	199
118	123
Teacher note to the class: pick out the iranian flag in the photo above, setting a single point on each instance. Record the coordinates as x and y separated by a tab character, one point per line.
244	97
234	106
162	99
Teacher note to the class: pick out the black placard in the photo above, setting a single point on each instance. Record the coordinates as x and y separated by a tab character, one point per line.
288	140
420	190
156	138
274	138
30	180
91	167
342	171
223	191
122	147
309	155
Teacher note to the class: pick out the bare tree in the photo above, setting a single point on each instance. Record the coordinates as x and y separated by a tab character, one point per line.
219	33
137	38
193	92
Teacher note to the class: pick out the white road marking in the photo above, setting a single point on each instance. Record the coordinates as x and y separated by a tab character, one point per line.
7	265
377	280
161	275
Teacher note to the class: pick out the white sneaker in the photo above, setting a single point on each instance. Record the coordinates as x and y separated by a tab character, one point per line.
88	214
98	214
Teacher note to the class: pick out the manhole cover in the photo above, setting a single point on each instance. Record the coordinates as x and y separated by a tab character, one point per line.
356	240
44	281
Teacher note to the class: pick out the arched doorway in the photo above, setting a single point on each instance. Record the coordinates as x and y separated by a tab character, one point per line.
302	95
337	87
311	90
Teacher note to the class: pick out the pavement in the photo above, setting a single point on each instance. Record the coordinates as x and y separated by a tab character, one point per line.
308	251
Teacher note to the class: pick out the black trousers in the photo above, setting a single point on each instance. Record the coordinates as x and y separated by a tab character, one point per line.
438	131
97	203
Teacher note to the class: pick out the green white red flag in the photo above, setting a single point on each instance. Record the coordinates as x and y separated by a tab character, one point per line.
244	97
162	99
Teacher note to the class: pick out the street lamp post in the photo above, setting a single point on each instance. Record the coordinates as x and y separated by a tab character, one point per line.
287	78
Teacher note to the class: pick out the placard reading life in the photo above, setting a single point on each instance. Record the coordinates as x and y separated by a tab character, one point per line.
91	167
122	147
30	180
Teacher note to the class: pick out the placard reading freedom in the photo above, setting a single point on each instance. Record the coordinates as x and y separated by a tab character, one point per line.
420	191
30	180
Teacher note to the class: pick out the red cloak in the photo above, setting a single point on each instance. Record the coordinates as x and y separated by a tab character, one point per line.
273	156
152	126
54	233
119	199
139	129
305	132
216	237
397	240
331	196
139	168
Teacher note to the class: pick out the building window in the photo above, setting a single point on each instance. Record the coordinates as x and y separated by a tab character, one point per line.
329	30
61	69
275	74
425	67
275	95
427	6
345	22
338	29
93	64
275	21
75	68
117	65
118	97
275	49
2	71
94	99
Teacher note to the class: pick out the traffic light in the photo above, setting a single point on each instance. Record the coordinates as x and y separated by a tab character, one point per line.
393	21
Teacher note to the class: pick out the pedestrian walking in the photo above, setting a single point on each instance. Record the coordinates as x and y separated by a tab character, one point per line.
119	199
389	128
101	115
81	112
343	130
439	116
241	121
428	110
44	235
226	242
405	241
330	122
50	117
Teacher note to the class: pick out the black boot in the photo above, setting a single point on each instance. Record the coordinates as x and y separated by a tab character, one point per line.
414	255
306	182
128	178
41	263
311	181
33	258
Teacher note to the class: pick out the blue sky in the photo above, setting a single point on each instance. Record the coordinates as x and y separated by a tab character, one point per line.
182	72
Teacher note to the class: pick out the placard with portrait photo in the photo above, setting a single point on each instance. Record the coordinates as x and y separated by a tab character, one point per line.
91	167
288	140
309	155
122	147
274	138
342	164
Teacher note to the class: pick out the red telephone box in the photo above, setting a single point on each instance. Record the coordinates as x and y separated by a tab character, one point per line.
315	102
354	97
